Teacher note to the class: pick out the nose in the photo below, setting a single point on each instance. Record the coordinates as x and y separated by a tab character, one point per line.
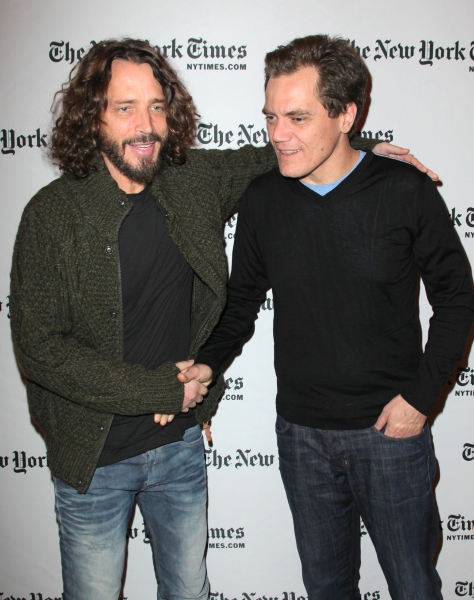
144	123
279	131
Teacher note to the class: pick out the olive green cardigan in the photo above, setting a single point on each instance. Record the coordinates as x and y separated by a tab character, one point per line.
66	306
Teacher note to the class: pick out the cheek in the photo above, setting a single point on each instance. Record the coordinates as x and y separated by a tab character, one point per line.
160	124
116	129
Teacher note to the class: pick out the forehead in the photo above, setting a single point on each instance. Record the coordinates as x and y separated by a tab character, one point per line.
299	88
129	80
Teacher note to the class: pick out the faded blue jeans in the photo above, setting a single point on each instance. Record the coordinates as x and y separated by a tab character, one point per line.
332	478
169	484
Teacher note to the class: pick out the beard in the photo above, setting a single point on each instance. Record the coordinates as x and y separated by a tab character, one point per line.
148	166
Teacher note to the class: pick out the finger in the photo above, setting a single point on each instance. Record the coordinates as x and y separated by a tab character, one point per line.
432	175
184	364
398	150
381	422
183	377
387	149
409	158
188	374
192	403
164	420
157	418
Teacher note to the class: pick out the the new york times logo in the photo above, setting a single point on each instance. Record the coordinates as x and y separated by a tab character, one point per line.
197	48
429	52
464	588
232	386
209	133
459	527
242	458
31	596
59	51
386	136
21	462
253	596
11	141
468	452
219	537
36	596
464	378
459	219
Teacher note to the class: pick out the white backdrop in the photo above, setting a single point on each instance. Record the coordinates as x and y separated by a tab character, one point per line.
421	57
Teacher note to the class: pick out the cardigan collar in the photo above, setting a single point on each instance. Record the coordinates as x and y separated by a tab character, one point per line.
104	205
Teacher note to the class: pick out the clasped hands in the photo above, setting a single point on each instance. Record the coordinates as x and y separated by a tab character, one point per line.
196	378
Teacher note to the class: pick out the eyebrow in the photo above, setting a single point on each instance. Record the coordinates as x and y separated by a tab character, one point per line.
299	112
126	101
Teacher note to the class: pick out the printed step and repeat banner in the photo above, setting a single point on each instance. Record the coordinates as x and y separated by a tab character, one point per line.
421	58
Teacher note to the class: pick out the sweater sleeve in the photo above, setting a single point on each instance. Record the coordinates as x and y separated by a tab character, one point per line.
445	273
247	289
54	356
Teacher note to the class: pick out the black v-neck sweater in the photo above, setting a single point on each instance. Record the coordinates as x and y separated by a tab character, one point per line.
343	268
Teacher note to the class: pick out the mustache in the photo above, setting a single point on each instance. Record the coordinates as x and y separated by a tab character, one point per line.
143	139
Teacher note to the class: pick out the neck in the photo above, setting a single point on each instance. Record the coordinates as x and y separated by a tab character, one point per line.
125	184
336	165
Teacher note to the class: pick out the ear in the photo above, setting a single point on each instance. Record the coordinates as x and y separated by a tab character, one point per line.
348	117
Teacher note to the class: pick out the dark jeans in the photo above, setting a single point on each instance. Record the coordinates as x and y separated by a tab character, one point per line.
332	478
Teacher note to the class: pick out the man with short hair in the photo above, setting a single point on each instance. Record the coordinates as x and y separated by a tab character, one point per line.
345	233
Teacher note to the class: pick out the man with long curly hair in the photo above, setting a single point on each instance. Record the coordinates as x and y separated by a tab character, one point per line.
119	272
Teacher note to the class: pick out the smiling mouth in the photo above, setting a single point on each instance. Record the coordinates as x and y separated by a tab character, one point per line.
143	148
143	145
288	152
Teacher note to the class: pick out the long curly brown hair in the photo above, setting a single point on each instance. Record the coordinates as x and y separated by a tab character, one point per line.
81	102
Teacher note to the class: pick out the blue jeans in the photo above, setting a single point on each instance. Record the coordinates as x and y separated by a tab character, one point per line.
332	478
169	484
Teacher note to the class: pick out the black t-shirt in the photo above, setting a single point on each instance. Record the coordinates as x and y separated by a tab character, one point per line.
156	298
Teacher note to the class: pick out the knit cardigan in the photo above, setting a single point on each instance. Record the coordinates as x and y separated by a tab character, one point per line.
66	306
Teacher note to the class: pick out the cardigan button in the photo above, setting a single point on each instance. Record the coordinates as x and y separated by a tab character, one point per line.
108	249
113	314
79	481
122	202
100	428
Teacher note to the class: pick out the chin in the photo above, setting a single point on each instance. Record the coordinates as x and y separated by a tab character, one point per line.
290	172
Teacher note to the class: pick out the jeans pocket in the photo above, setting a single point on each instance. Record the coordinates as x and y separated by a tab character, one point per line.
281	426
192	435
381	433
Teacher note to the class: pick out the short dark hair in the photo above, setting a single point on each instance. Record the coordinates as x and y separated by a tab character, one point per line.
83	100
342	72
